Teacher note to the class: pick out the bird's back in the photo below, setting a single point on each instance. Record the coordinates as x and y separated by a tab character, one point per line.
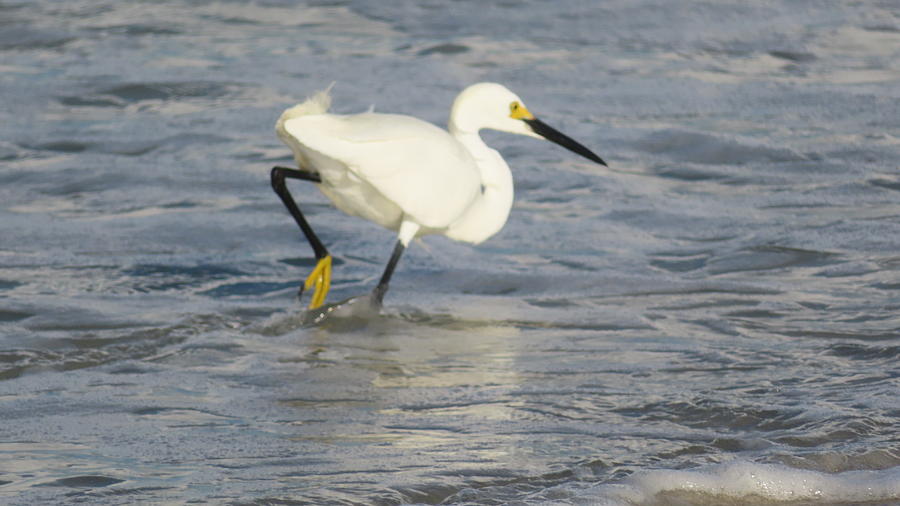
383	166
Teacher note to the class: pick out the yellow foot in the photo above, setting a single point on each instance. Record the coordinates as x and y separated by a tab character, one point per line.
321	278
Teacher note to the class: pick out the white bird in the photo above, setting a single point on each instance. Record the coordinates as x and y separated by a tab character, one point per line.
406	174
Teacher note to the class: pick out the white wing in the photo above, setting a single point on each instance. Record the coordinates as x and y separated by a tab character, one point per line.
419	167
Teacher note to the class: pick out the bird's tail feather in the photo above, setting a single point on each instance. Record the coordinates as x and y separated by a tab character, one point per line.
316	104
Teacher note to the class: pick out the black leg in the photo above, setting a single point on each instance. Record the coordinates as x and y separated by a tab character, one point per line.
381	289
278	184
321	275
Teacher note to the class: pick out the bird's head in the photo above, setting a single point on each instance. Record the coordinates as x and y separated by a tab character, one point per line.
493	106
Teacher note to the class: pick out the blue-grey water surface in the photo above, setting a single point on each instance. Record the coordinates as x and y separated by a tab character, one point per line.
714	321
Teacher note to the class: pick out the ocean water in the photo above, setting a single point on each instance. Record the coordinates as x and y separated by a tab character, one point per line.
713	320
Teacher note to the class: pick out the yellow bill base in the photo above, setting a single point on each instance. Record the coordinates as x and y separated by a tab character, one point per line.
321	278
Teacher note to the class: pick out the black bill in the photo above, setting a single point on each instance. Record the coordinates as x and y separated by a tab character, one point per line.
551	134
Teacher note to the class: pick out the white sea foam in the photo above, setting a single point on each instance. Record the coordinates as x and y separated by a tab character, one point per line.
741	482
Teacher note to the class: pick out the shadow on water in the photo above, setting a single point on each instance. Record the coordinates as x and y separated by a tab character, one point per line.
354	313
361	314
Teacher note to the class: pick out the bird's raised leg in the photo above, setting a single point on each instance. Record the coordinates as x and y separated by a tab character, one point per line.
321	275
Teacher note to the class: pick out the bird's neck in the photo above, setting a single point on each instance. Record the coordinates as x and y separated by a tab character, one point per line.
488	213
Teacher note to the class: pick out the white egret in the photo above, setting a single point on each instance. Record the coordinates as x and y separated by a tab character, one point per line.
406	174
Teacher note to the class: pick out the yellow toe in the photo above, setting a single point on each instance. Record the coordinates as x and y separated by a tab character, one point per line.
320	277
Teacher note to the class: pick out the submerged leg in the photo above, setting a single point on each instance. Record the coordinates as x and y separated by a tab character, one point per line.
321	275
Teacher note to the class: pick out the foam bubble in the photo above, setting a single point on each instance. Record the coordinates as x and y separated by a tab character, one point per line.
742	481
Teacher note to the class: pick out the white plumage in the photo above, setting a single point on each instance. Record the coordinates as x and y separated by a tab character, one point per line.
371	163
410	176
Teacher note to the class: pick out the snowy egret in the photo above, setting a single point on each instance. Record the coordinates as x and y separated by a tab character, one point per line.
406	174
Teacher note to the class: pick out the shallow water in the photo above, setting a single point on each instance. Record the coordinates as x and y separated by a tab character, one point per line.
714	321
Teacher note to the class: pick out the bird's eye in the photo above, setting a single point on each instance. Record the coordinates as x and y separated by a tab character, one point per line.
518	111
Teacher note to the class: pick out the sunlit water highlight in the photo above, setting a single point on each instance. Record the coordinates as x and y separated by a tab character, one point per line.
715	321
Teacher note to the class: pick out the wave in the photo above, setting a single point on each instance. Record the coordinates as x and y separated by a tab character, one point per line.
743	482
